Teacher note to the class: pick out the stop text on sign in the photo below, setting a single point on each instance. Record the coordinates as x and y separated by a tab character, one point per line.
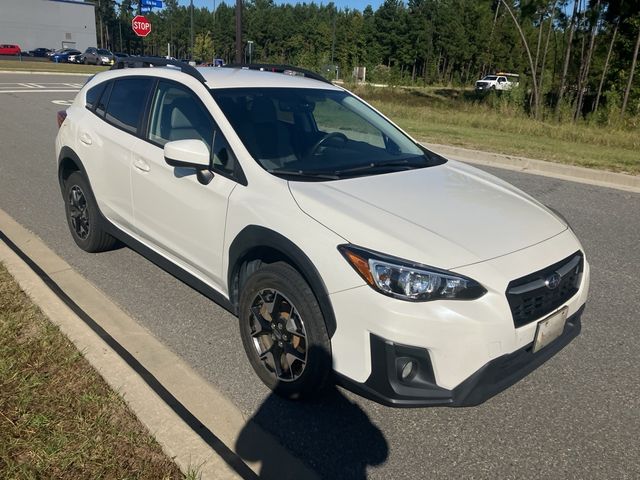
141	26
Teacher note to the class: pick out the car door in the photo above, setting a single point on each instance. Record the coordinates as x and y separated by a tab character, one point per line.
173	210
105	142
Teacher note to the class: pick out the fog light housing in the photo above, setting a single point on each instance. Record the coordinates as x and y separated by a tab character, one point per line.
408	371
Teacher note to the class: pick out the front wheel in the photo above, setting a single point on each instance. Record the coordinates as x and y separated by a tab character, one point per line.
283	332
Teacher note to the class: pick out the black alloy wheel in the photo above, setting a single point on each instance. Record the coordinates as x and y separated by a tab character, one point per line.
78	212
83	216
279	336
283	332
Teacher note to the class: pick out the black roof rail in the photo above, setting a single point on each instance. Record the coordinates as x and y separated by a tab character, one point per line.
271	67
139	62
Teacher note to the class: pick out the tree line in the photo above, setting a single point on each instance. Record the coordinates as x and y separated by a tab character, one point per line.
575	57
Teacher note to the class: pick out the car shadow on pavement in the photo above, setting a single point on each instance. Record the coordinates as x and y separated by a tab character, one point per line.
330	434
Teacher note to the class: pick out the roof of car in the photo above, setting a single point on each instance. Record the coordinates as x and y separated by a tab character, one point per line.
217	77
221	77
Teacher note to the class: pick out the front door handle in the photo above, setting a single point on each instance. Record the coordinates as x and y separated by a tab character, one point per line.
86	138
140	164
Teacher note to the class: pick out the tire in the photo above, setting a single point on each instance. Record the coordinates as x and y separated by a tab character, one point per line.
83	216
85	61
298	333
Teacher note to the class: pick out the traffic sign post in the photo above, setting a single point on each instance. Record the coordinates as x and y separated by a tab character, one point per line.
141	26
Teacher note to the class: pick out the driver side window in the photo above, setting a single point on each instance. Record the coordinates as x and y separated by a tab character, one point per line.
177	114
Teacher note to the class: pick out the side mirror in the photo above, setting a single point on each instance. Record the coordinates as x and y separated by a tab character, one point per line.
187	154
190	154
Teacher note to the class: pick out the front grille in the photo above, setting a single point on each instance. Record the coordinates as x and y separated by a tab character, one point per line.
530	298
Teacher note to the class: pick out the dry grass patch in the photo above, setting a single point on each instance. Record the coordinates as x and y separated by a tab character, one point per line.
58	418
457	117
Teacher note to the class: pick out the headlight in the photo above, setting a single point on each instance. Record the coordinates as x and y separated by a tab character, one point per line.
105	59
409	281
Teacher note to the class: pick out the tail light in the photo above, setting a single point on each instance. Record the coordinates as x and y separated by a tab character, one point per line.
62	114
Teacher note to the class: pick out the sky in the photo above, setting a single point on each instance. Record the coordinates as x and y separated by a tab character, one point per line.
355	4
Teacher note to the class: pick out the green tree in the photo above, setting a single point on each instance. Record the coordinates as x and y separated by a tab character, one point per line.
203	47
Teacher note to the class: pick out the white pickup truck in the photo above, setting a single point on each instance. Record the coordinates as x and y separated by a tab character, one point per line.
499	81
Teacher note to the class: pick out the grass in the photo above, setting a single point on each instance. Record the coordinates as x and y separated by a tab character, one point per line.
47	67
58	418
456	117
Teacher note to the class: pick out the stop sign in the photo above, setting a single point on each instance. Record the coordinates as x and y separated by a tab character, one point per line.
141	26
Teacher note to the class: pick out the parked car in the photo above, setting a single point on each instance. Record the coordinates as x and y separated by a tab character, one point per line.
500	81
40	52
9	49
97	56
75	58
62	56
341	243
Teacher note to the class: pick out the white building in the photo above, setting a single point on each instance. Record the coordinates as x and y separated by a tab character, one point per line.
47	23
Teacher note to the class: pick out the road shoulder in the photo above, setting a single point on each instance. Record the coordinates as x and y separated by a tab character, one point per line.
193	422
590	176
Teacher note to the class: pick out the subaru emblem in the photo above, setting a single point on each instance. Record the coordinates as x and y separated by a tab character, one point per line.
553	280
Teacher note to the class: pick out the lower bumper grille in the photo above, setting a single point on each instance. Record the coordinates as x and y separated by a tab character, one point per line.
534	295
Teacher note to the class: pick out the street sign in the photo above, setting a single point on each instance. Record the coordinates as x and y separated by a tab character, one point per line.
152	3
141	26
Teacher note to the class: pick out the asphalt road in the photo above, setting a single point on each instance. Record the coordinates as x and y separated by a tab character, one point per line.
578	416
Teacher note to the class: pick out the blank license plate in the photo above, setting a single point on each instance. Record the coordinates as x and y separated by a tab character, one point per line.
549	329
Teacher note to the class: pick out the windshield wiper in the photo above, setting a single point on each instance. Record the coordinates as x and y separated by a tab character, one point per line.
304	173
402	163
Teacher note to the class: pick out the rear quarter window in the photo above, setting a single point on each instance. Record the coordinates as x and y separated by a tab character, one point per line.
93	95
127	102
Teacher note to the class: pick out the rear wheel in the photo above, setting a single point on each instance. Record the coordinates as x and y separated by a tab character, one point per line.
283	332
83	217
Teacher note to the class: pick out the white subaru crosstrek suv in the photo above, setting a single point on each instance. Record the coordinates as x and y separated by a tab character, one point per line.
348	251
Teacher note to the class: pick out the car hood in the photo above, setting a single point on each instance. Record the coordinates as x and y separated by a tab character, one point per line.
446	216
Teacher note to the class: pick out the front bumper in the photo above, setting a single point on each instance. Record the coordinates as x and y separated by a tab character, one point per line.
459	338
385	385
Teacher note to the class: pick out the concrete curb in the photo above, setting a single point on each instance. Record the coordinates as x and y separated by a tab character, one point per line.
180	435
602	178
40	72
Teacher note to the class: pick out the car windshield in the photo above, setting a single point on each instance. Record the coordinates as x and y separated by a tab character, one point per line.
490	77
306	134
104	52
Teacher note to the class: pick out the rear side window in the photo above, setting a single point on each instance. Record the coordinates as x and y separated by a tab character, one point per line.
127	102
93	95
101	107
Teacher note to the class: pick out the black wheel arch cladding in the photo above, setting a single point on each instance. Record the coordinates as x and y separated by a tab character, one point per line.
247	246
66	159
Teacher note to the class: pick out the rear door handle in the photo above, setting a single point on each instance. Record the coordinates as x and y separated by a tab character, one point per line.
86	138
141	165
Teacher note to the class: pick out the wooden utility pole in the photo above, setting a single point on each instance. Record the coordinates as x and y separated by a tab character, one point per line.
191	30
238	31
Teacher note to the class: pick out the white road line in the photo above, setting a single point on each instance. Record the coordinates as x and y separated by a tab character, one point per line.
39	91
